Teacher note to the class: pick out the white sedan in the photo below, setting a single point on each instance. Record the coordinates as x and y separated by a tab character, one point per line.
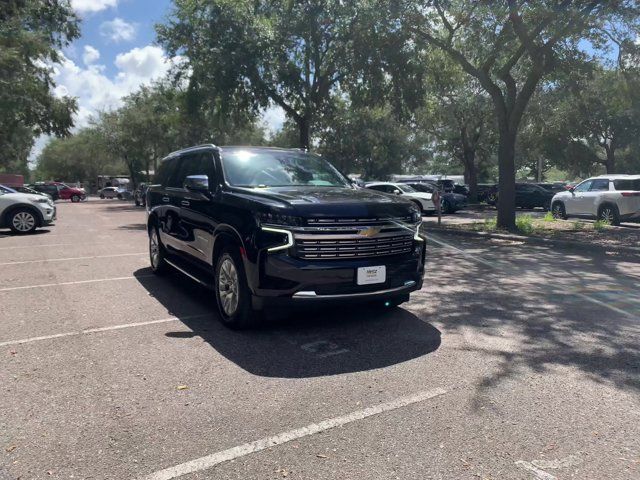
422	199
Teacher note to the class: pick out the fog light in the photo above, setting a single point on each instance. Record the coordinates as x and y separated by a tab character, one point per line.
386	304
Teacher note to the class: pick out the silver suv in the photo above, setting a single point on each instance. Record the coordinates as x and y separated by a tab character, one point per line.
612	198
22	212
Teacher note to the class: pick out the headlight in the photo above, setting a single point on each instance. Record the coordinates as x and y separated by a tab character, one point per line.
417	236
278	219
416	217
42	200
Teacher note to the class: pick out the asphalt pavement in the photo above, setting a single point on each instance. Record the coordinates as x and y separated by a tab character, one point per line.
513	362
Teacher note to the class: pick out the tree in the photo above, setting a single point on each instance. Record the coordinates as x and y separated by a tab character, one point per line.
457	115
32	33
369	141
510	47
253	53
79	157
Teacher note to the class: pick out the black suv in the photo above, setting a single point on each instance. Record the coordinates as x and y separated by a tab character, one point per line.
270	227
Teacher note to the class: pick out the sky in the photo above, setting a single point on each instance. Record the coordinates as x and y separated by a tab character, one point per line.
115	55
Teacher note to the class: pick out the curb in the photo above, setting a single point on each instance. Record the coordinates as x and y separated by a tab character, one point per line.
547	242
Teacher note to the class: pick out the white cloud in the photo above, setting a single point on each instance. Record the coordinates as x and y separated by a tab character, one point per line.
90	55
95	91
92	6
118	30
272	119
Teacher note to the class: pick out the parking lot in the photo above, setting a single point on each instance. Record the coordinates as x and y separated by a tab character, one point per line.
510	363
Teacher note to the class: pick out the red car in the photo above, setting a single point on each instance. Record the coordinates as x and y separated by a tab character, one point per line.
59	190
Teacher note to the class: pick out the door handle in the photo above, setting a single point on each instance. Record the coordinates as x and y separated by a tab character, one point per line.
166	199
185	203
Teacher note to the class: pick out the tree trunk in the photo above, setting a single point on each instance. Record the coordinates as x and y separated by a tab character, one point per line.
471	174
506	182
304	129
611	160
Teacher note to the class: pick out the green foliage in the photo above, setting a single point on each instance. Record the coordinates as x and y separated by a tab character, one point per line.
369	141
491	224
578	225
601	225
548	217
524	224
32	32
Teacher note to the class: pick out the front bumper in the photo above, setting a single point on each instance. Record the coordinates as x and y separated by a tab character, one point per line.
282	280
48	214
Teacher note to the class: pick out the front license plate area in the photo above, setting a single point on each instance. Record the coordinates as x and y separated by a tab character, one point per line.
371	275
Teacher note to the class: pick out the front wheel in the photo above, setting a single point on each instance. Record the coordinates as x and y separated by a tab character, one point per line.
22	221
75	198
102	196
558	211
232	291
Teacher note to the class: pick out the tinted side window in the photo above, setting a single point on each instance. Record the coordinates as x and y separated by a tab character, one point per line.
584	186
626	184
600	185
379	188
194	164
164	172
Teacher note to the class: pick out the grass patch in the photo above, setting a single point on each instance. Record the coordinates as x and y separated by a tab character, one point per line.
524	224
600	225
491	224
578	225
548	217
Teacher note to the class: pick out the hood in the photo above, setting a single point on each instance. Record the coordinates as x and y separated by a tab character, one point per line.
423	195
327	201
31	197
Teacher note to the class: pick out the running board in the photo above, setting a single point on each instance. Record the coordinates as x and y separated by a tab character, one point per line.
204	283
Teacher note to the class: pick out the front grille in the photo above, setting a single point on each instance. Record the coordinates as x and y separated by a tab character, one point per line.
354	248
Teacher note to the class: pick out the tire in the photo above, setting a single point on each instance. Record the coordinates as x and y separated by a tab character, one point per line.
119	197
558	211
137	202
445	206
157	253
102	196
232	292
22	221
609	213
418	204
75	198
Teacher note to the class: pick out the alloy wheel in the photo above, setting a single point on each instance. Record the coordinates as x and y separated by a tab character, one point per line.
607	215
154	249
228	286
23	221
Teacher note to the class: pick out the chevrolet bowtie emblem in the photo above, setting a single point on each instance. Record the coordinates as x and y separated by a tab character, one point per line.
369	232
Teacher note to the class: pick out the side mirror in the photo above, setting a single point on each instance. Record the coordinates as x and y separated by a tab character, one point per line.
397	192
197	183
572	190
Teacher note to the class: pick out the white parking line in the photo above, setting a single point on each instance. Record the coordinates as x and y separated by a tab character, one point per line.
62	245
99	329
73	258
214	459
79	282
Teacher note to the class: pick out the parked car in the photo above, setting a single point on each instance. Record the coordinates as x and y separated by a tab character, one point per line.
611	198
554	187
114	192
270	227
487	193
47	189
22	212
449	202
62	191
528	195
31	191
421	199
140	195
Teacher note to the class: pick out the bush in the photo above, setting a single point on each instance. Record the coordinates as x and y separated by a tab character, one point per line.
524	224
600	225
548	217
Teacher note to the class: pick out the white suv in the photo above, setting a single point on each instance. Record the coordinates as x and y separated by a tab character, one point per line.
23	212
423	200
613	198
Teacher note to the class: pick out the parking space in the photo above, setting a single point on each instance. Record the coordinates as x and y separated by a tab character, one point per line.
510	363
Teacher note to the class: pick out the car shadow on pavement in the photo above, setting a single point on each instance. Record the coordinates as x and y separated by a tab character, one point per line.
302	343
9	233
133	226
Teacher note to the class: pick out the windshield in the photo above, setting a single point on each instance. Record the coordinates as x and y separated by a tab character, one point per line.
279	168
407	189
4	189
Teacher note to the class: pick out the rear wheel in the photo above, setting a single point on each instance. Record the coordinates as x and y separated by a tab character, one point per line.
119	197
232	292
156	252
22	221
418	204
137	202
102	196
609	213
445	206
